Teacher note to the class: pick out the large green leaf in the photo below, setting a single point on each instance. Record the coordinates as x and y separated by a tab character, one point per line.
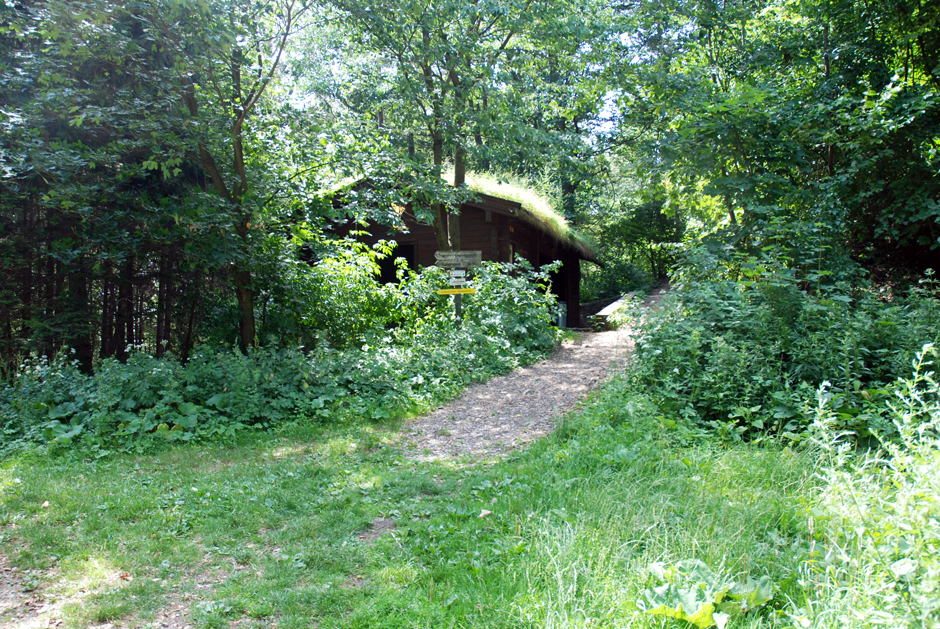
693	592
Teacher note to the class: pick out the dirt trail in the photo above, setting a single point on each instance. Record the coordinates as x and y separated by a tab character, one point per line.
507	412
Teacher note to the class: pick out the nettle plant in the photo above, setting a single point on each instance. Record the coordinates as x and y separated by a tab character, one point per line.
407	354
742	352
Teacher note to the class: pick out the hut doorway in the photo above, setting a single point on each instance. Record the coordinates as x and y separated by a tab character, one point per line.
387	265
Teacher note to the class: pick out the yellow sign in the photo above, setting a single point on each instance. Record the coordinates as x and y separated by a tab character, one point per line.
456	291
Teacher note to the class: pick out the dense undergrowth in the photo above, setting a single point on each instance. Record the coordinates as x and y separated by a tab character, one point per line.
741	347
875	519
384	351
753	352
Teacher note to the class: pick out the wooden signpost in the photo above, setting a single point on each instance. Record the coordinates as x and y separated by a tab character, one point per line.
458	262
458	259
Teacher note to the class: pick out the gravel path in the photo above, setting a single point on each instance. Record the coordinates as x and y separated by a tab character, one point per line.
507	412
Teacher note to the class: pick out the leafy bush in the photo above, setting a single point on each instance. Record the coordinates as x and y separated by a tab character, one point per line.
404	353
348	299
742	352
334	301
506	310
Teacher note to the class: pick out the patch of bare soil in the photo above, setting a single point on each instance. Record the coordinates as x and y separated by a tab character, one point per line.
23	608
174	614
20	608
378	528
507	412
354	582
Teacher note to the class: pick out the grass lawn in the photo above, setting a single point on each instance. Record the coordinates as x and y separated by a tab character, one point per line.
335	527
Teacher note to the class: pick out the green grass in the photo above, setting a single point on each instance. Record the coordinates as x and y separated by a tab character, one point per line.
269	531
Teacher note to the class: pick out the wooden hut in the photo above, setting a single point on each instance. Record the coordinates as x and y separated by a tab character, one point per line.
503	222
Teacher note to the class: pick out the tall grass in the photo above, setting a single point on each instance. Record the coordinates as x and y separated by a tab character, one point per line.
615	500
876	519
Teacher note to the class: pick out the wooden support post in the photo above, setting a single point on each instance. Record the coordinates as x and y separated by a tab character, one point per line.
571	270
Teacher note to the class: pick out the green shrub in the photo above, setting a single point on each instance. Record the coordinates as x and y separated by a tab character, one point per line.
743	352
348	299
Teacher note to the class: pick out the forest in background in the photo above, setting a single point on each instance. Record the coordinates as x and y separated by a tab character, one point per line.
164	162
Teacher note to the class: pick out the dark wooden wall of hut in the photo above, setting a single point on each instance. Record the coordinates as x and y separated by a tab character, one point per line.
494	231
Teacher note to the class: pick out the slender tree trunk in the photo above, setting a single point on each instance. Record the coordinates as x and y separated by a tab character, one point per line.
729	204
484	163
240	275
246	303
168	305
76	316
107	315
460	179
440	216
162	312
27	280
124	326
186	346
80	326
49	306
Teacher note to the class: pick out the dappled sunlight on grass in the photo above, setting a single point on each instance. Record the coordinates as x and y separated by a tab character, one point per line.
80	579
9	483
366	481
75	593
399	575
564	534
560	535
338	446
89	573
291	450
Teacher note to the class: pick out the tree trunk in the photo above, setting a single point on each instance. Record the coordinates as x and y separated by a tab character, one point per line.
168	305
188	340
124	325
162	311
440	217
80	324
48	309
453	215
107	314
729	204
246	303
